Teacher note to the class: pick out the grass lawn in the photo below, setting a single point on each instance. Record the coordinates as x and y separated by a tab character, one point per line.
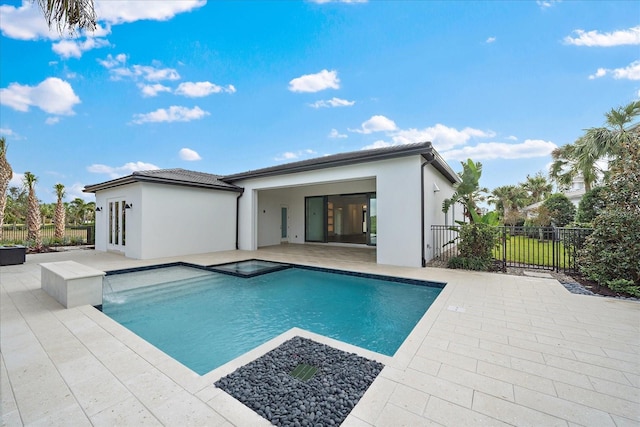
525	250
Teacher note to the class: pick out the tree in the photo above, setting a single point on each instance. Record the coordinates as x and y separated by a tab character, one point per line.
608	141
16	210
567	166
610	255
69	15
591	204
509	199
33	213
59	217
79	211
6	173
560	208
468	192
538	187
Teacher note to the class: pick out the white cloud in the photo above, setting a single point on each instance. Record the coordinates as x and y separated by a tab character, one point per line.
53	95
376	124
119	171
113	61
52	120
189	155
9	133
490	40
290	155
512	138
152	73
333	102
630	72
153	90
615	38
336	135
118	12
378	144
74	48
172	114
315	82
27	23
442	137
17	180
75	191
200	89
501	150
338	1
545	4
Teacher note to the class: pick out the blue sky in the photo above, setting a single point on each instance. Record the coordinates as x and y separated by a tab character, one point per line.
228	86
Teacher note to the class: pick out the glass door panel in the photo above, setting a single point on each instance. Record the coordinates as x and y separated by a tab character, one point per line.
372	215
315	219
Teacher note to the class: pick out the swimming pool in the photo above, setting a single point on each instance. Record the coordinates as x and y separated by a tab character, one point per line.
204	319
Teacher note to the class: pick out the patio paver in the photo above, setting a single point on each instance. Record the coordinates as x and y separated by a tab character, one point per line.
492	350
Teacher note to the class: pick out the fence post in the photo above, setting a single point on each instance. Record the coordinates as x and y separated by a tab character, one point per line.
504	248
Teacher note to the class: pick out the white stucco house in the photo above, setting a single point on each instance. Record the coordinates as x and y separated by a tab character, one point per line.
385	198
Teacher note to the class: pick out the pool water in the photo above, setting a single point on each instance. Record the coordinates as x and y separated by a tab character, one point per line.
211	318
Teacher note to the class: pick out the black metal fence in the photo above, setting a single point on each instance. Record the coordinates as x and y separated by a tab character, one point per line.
542	248
74	234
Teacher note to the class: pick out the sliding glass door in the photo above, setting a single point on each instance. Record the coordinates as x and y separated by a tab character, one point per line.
343	218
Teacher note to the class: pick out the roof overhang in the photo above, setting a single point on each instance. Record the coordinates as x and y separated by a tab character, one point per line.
134	178
424	149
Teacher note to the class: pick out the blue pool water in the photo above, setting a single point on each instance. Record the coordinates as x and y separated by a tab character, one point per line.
206	319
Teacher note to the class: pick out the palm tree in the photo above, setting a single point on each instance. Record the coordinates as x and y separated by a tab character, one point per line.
509	199
78	209
468	192
538	187
69	15
606	142
567	166
33	214
59	217
6	173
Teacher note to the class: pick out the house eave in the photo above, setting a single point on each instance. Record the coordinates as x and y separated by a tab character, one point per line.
424	149
131	179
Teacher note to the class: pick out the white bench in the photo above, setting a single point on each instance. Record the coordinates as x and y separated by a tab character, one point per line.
72	284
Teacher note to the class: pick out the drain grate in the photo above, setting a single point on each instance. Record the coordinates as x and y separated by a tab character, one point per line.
304	372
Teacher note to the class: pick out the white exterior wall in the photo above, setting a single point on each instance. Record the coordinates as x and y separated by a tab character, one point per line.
169	220
436	189
397	187
131	193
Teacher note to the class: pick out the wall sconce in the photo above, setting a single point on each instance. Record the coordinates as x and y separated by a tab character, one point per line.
98	209
128	205
435	188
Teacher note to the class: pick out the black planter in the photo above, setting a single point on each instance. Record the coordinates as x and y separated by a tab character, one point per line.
12	255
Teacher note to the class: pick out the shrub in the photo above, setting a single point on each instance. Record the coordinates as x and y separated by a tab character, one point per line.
469	263
592	203
560	209
624	286
477	241
611	254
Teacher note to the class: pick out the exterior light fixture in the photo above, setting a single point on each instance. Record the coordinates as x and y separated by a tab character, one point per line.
98	209
128	205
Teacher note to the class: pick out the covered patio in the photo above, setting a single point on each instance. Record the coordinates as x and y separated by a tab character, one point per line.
492	350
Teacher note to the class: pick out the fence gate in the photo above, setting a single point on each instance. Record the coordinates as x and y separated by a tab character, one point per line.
539	248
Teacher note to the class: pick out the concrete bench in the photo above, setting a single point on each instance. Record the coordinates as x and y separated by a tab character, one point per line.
72	284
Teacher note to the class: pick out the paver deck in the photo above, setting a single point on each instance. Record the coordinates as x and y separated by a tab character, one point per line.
492	350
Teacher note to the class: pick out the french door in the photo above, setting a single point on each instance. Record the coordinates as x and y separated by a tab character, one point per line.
117	226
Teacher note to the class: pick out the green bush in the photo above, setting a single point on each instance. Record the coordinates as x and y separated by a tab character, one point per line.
624	286
476	243
592	203
560	209
611	255
469	263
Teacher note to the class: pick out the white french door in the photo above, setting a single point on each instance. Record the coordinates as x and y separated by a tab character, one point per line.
117	226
